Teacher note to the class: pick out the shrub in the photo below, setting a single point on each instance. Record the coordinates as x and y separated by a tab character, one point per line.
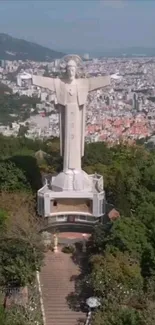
69	249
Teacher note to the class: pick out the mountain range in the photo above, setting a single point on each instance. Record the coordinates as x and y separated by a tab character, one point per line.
12	48
137	51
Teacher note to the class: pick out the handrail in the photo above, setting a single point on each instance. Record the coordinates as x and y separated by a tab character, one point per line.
88	318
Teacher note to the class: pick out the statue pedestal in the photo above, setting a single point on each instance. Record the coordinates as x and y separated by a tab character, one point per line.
71	180
72	197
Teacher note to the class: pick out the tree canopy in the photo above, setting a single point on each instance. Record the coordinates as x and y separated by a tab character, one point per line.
14	107
121	254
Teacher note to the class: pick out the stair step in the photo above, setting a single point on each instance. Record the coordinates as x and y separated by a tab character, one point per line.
54	316
57	279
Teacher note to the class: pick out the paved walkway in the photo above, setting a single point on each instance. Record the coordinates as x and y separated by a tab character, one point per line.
73	235
58	285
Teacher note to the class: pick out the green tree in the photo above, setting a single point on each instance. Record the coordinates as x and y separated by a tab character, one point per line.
12	178
116	277
146	214
116	236
22	131
19	260
3	218
117	315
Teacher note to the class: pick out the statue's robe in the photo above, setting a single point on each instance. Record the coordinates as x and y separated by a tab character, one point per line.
83	87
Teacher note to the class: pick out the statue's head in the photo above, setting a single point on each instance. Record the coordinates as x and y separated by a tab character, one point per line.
71	69
72	63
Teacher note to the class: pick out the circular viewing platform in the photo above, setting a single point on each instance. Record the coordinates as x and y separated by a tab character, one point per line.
71	223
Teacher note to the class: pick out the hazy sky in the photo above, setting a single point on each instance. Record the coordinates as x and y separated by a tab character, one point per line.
80	24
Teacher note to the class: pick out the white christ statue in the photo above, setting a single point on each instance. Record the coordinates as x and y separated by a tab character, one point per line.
71	93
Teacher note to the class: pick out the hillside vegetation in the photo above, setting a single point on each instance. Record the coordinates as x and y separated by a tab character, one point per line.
16	108
121	254
12	48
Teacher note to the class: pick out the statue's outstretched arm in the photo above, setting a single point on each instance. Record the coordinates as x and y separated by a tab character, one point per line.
44	82
98	82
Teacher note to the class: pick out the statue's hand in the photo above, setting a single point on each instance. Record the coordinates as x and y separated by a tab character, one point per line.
25	76
115	76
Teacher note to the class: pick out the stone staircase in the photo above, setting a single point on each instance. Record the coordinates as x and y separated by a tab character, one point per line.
57	283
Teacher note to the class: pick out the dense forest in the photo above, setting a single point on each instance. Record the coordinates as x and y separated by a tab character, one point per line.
15	108
121	254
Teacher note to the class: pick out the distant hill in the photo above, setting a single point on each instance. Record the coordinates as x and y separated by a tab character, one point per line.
12	48
129	52
116	52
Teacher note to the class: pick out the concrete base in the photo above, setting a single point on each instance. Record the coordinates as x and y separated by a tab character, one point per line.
60	199
72	180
